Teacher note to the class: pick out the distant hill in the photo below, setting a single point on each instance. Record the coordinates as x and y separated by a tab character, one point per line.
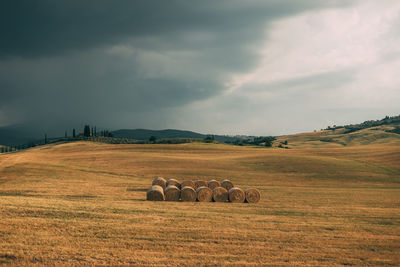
382	131
378	131
368	124
18	135
144	134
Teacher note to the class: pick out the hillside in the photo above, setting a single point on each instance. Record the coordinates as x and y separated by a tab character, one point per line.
394	120
83	203
369	132
144	134
340	137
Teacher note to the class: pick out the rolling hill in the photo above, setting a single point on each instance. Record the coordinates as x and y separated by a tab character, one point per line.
18	135
342	136
145	134
385	130
83	203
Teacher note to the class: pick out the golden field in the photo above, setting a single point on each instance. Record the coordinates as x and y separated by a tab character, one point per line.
84	203
339	137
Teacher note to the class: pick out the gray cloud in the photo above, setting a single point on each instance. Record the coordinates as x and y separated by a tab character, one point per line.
306	84
36	28
64	63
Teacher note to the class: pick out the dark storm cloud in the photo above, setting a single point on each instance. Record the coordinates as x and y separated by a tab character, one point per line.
36	28
66	62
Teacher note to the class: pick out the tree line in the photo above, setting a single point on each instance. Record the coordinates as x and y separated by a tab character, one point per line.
90	133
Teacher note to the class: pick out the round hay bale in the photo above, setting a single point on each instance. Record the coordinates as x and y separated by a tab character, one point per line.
172	193
204	194
227	184
173	182
188	194
252	195
160	181
213	184
220	194
199	183
236	195
155	193
187	183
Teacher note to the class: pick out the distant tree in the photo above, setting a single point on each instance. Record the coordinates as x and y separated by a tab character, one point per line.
73	133
65	135
152	139
268	140
285	143
209	139
95	131
86	131
45	138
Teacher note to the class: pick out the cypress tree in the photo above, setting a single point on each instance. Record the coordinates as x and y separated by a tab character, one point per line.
86	131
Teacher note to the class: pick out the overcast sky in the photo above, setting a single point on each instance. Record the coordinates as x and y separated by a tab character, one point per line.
253	67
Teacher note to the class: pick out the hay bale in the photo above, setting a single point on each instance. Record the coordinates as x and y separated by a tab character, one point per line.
220	194
187	183
213	184
199	183
173	182
172	193
252	195
236	195
188	194
227	184
160	181
155	193
204	194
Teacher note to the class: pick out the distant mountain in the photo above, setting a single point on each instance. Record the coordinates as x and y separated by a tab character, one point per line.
144	134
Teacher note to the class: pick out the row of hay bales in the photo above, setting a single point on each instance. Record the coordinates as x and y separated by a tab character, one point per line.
200	190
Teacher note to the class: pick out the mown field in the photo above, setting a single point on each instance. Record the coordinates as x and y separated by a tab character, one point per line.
341	137
84	203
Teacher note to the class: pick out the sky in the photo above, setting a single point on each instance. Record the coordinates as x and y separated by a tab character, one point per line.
256	67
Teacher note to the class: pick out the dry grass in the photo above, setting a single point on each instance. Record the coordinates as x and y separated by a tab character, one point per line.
84	203
338	138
